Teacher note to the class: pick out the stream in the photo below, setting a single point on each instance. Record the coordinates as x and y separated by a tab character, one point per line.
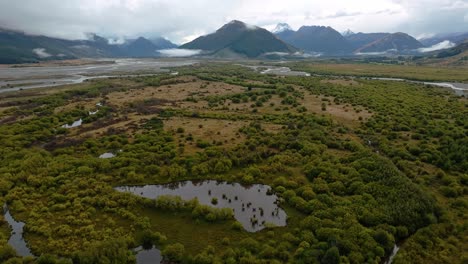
16	239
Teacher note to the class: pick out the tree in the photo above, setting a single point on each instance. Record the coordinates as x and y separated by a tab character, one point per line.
174	252
332	256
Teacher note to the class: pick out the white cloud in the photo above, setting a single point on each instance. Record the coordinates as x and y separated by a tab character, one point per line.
181	21
41	53
178	52
442	45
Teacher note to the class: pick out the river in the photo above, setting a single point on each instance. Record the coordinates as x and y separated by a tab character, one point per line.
460	89
22	78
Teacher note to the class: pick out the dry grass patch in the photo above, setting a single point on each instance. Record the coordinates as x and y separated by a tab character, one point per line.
207	130
88	104
342	113
175	92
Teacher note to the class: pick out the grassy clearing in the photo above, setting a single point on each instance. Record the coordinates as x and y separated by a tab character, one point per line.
422	73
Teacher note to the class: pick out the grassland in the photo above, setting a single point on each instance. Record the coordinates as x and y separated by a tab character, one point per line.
411	72
359	164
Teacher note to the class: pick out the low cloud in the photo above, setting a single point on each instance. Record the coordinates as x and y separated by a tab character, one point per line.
116	41
41	53
179	52
439	46
381	53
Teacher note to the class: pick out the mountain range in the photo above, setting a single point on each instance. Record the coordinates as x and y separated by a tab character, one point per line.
316	39
328	41
241	39
234	39
18	47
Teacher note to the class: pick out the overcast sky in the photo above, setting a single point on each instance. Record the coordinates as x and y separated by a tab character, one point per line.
181	21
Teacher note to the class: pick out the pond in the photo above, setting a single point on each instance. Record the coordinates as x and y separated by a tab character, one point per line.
77	123
254	206
16	239
107	155
148	256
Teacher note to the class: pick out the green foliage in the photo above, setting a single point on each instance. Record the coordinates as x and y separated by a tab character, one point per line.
350	191
174	252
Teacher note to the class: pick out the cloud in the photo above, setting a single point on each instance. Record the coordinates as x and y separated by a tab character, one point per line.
442	45
376	53
178	52
41	53
181	21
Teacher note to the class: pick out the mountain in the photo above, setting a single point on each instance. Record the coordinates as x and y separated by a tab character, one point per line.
236	37
455	56
395	42
19	47
347	33
162	43
139	48
317	39
455	51
360	39
281	27
457	38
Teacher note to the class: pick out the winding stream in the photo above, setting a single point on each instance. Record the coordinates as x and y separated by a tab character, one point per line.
16	239
392	255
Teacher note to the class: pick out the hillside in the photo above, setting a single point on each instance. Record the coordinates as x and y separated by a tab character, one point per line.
316	39
395	42
18	47
360	39
240	38
457	38
456	56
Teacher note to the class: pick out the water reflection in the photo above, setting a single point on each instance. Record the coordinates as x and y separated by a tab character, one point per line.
148	256
107	155
254	206
77	123
16	239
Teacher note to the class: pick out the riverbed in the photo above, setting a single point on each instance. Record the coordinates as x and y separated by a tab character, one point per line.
22	78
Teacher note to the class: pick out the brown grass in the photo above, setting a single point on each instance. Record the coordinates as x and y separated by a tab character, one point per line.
218	130
175	92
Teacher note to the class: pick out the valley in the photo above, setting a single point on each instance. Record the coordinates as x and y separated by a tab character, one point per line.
351	166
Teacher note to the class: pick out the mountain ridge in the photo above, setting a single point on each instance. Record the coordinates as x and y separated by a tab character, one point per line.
240	38
21	47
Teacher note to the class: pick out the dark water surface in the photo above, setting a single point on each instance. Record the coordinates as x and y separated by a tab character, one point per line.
148	256
248	202
16	239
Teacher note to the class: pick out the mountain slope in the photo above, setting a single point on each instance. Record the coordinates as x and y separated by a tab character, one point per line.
18	47
139	48
455	56
397	42
317	39
360	39
456	38
240	38
162	43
